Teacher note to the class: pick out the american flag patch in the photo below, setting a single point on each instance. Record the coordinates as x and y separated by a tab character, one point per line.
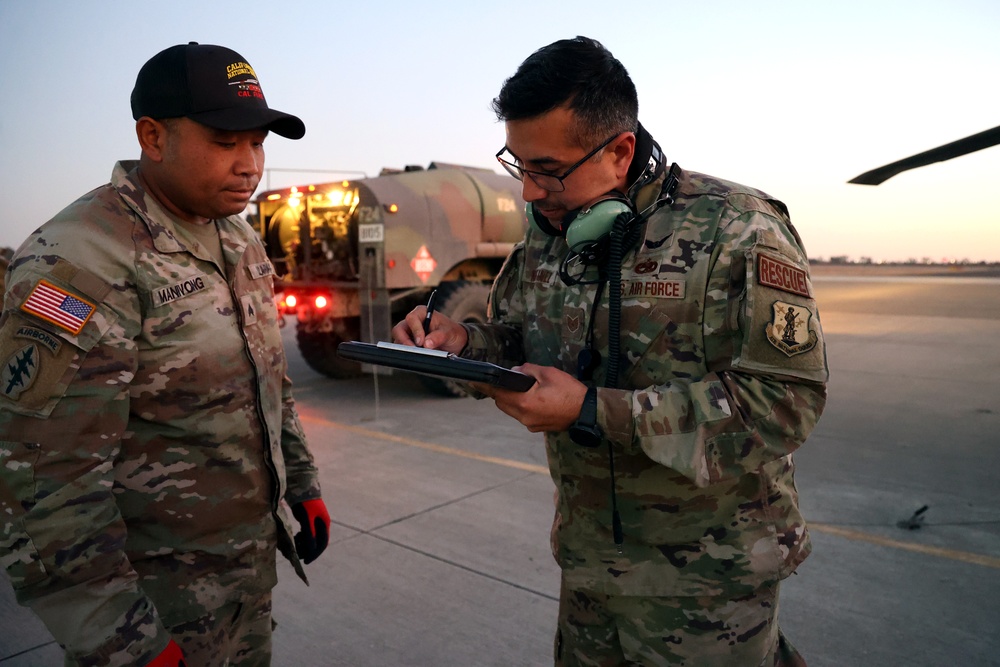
58	307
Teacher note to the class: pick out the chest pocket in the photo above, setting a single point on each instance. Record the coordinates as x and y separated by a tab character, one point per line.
661	328
544	313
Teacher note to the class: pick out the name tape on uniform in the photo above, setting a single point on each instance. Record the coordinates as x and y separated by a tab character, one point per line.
261	270
165	295
653	288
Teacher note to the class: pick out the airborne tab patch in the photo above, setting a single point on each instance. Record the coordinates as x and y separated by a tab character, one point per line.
781	276
58	306
43	337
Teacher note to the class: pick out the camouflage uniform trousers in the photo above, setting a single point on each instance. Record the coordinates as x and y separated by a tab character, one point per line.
598	630
237	633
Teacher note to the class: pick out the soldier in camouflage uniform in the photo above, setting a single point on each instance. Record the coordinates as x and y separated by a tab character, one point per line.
676	512
150	446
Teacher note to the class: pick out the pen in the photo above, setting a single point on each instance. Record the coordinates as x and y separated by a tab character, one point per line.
430	312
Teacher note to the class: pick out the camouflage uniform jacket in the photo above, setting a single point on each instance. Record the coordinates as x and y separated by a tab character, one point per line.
722	377
149	438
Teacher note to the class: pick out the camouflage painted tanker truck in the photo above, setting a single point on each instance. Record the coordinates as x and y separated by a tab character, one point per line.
354	256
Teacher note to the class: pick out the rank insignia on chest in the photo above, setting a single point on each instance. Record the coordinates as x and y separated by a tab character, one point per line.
249	310
789	329
58	306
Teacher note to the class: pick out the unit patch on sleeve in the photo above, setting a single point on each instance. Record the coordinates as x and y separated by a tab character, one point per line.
19	371
59	307
789	329
782	276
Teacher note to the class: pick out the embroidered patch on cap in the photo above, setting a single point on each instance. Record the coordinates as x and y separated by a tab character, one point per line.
782	276
789	329
59	307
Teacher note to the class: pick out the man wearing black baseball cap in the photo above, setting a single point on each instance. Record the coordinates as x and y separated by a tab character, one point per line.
153	440
211	85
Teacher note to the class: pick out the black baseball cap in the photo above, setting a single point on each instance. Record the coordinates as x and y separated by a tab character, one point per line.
212	85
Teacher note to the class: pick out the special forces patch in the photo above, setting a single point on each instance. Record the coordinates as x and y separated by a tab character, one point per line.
789	329
19	372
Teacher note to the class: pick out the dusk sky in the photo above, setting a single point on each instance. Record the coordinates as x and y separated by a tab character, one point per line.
794	98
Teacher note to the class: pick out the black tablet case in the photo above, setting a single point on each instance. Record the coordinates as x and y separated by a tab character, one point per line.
434	362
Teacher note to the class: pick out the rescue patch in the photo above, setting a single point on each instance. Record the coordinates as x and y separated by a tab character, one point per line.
261	270
165	295
58	306
789	329
40	335
19	372
781	276
544	276
653	288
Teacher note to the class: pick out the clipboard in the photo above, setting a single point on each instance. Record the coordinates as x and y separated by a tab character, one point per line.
434	362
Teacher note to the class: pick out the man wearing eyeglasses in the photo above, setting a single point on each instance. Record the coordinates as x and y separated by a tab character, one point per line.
669	321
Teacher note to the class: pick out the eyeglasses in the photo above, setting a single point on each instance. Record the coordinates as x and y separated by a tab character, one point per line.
549	182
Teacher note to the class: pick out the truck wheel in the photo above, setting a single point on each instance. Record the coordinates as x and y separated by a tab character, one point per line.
319	349
462	302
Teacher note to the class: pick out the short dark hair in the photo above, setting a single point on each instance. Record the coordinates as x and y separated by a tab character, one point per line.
581	73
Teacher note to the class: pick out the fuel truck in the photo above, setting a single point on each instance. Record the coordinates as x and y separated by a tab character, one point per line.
353	257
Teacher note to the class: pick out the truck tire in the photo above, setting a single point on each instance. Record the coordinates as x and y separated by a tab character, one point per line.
319	349
463	302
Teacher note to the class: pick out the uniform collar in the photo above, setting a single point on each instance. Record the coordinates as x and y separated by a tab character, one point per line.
161	223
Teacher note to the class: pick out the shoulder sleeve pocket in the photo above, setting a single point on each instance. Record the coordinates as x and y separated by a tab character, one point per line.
39	360
779	322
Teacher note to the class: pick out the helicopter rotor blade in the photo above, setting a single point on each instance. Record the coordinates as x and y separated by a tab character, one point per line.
964	146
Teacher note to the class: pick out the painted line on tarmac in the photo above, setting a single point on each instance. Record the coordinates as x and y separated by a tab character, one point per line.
952	554
839	531
440	449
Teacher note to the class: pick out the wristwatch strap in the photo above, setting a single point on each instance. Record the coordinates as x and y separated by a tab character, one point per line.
585	431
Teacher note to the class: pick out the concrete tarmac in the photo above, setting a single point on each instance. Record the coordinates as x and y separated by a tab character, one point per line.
441	507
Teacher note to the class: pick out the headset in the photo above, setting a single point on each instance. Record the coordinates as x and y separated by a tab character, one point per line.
588	229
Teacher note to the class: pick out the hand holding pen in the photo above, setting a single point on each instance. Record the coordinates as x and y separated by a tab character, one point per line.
448	335
430	312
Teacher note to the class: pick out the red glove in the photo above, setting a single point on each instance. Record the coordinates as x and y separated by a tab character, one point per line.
315	534
169	657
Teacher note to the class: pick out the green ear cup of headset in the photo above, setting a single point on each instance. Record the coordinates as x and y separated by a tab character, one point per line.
591	224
